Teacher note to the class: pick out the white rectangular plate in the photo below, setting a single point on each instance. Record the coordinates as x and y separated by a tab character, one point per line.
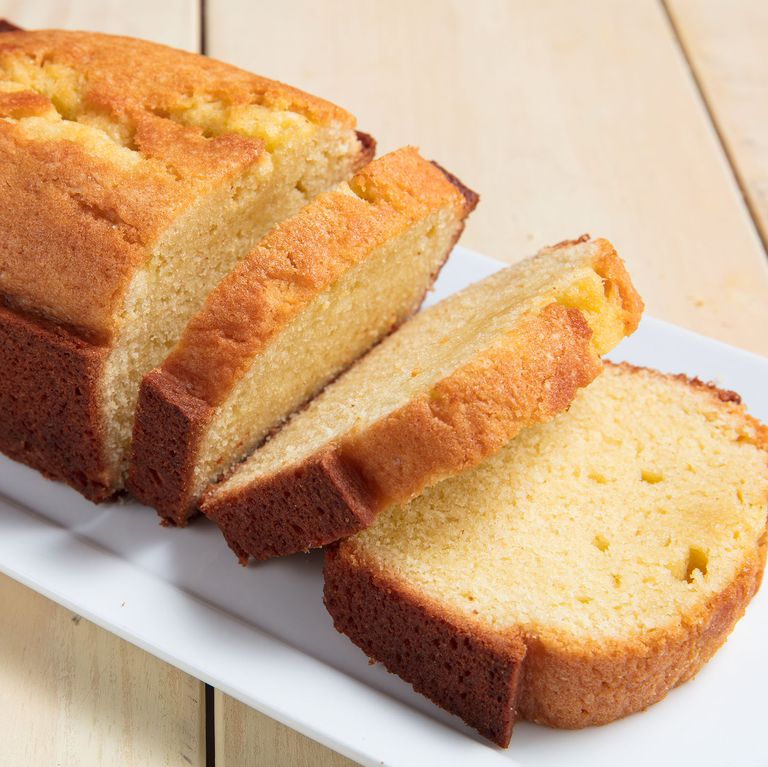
261	633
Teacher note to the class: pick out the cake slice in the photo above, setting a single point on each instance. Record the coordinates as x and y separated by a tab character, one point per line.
317	292
133	177
579	574
448	389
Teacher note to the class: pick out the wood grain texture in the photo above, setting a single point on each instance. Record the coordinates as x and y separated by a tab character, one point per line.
566	117
246	738
74	695
171	22
71	693
726	44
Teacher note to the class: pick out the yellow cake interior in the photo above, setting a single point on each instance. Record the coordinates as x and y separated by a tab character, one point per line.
204	244
437	342
615	519
334	329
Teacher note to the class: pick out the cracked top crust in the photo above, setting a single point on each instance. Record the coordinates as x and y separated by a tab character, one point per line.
104	141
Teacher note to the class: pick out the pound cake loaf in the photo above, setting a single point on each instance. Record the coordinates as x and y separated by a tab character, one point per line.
446	390
579	574
132	178
318	291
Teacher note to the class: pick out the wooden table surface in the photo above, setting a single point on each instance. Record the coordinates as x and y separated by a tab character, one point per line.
639	120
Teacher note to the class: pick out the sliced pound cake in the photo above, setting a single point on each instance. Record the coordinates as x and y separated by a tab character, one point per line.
575	577
318	291
446	390
132	178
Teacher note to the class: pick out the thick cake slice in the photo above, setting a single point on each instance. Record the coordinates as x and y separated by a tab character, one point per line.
132	178
448	389
317	292
575	577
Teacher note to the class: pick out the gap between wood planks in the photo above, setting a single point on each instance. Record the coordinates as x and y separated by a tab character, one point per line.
209	697
210	727
709	107
203	43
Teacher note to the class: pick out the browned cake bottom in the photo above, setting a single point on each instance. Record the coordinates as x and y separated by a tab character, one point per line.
50	403
8	26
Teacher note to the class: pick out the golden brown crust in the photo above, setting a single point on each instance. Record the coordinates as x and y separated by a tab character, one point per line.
126	73
50	403
463	419
77	225
471	198
293	263
70	242
326	500
548	679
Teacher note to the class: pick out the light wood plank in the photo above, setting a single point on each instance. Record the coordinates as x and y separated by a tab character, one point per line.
727	45
246	738
73	694
566	117
172	22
